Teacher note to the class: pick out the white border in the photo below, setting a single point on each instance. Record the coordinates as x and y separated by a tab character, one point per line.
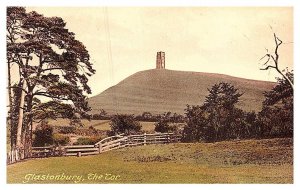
87	3
152	3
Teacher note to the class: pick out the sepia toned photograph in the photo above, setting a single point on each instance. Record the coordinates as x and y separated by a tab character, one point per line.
150	95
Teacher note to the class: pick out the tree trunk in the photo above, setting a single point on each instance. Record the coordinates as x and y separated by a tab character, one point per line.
19	143
10	120
28	125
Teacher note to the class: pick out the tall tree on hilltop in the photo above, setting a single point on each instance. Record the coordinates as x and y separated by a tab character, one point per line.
51	64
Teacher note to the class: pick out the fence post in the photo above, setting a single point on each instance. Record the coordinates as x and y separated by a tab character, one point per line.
129	141
100	148
145	139
59	149
64	151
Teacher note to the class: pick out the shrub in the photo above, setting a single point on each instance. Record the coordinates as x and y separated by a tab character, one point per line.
66	129
91	131
43	135
87	140
164	127
59	139
166	123
124	124
82	131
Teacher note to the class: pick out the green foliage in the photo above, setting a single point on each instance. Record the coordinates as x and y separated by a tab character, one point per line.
124	124
222	96
147	116
218	119
276	117
59	139
66	129
87	140
43	135
162	126
165	124
281	94
54	109
80	131
196	128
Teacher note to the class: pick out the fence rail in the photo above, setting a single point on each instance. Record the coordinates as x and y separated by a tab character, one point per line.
120	141
107	144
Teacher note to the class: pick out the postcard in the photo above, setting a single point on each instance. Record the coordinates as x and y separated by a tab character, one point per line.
150	95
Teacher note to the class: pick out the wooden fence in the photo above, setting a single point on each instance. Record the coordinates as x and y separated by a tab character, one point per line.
107	144
117	142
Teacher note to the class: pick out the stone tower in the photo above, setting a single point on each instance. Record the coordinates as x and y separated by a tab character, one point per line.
160	60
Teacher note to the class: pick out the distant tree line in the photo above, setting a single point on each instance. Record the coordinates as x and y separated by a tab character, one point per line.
102	115
129	124
145	116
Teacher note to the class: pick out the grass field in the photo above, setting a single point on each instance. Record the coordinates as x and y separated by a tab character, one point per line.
100	124
249	161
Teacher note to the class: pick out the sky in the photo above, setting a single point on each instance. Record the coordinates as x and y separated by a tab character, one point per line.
124	40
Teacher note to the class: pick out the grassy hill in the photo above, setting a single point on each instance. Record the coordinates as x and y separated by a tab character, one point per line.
248	161
160	90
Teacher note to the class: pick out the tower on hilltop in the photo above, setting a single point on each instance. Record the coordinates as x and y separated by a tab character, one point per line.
160	60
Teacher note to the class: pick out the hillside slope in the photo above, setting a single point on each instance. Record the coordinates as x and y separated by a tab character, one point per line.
159	91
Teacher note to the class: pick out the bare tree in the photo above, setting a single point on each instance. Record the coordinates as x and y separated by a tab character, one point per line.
275	59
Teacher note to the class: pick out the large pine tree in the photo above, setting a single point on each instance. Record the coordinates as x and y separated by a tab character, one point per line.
51	63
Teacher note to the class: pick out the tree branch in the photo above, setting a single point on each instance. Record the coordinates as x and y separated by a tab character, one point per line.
18	88
49	96
49	69
269	66
267	55
275	59
286	78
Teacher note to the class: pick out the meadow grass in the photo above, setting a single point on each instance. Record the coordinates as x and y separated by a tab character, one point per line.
250	161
